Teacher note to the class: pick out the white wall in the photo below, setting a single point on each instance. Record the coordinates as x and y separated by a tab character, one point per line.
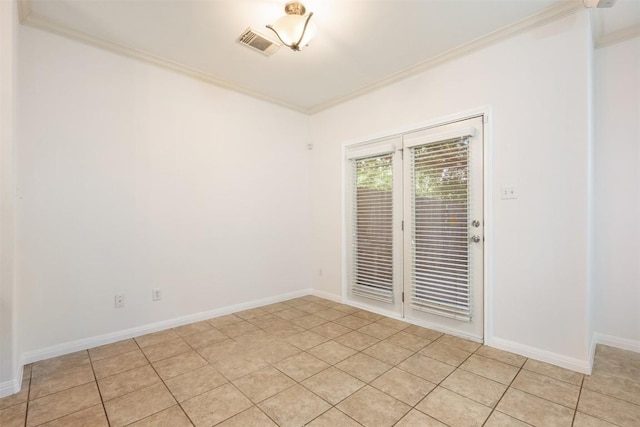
8	340
132	177
537	84
617	193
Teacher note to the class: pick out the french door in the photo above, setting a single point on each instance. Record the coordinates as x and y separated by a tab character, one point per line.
415	226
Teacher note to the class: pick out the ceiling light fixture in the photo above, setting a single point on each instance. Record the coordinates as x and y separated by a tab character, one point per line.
294	29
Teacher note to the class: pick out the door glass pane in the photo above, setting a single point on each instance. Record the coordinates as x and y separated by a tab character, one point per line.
373	228
440	205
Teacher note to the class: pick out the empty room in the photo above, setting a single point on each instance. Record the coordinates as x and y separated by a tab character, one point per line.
323	213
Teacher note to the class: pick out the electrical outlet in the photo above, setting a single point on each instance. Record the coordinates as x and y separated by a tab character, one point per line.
156	295
510	192
119	301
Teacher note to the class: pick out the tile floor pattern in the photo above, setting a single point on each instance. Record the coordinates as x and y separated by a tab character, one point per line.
310	361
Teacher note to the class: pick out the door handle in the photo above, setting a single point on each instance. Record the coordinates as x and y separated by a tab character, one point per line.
475	239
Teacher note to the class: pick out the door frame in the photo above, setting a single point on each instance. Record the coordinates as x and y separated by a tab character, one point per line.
486	112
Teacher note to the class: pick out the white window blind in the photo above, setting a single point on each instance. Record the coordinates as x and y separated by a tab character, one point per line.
440	204
372	227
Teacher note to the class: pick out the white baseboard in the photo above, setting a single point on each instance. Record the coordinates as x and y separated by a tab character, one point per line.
85	343
13	386
326	295
617	342
579	365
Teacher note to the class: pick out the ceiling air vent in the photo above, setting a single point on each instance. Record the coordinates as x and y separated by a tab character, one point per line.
258	42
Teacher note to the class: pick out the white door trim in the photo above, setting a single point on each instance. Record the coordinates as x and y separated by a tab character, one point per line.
486	112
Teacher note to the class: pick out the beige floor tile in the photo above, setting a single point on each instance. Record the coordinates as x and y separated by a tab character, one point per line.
171	417
377	330
221	350
253	339
195	382
166	349
60	380
357	340
333	418
13	416
368	315
534	410
409	341
251	313
404	386
332	352
266	321
237	329
301	366
388	353
460	343
310	321
489	368
554	372
128	381
137	405
584	420
63	403
203	339
345	308
418	419
240	364
426	333
615	386
93	417
311	307
114	349
274	351
294	407
330	314
373	408
176	365
501	356
252	417
120	363
291	313
216	405
18	397
263	384
393	323
284	331
156	338
352	321
61	363
193	328
429	369
330	330
608	408
445	353
475	387
333	385
224	320
363	367
306	340
498	419
453	409
548	388
616	362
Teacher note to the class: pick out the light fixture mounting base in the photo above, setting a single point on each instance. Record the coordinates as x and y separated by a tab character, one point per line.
294	8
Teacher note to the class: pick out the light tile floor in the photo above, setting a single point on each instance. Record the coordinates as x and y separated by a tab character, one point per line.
309	361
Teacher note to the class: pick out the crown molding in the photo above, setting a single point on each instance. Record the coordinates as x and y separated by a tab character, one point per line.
617	36
565	8
546	16
27	17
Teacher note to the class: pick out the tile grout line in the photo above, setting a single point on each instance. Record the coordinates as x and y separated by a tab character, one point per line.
573	420
505	392
95	379
26	411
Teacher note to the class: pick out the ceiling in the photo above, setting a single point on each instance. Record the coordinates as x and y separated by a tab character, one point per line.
360	45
